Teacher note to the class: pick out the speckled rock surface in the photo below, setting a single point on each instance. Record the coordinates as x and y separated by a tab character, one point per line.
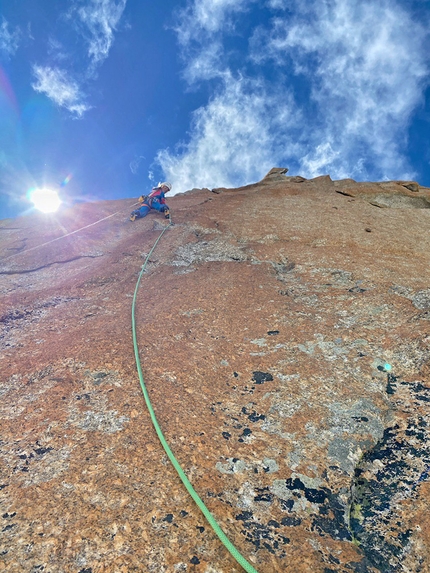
284	335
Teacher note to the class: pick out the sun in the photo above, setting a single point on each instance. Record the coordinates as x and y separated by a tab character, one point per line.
45	200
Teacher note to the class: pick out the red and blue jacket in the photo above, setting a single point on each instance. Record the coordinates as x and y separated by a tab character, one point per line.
155	200
157	194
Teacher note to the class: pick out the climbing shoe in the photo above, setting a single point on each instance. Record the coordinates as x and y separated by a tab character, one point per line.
133	217
167	214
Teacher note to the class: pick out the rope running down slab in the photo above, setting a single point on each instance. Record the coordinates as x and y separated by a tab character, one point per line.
208	515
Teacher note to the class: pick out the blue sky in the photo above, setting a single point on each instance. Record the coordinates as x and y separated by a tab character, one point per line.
101	99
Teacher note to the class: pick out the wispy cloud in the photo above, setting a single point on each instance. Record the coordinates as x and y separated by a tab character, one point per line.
201	28
364	82
63	90
135	163
203	17
98	21
232	138
344	77
57	51
9	40
95	21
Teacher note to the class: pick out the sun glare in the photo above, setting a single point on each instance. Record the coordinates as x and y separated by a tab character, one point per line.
45	200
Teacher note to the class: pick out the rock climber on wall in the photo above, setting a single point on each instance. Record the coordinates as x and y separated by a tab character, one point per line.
155	200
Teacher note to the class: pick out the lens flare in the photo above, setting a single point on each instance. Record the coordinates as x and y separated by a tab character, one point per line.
66	180
45	200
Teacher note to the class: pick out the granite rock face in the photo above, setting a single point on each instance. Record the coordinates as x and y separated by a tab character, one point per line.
284	335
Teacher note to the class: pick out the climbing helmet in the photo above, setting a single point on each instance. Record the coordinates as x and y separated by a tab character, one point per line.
165	184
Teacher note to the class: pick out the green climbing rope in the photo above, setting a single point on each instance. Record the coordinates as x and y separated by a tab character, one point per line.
210	518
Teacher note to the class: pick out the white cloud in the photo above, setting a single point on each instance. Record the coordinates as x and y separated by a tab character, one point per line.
96	20
134	164
352	73
205	65
9	40
63	90
100	19
367	73
323	155
57	51
233	138
201	27
277	4
208	17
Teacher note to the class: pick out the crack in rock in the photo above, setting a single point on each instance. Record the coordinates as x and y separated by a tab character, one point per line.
26	271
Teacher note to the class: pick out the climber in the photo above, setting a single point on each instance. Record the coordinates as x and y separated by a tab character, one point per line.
155	200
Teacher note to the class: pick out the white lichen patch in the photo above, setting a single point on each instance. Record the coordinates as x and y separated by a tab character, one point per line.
218	249
94	416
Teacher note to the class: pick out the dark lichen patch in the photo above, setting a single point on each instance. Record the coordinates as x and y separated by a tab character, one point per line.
391	384
253	416
283	268
268	536
219	496
286	504
291	521
332	518
98	377
42	451
332	527
248	390
263	494
388	475
327	513
168	518
246	433
261	377
234	420
166	522
357	289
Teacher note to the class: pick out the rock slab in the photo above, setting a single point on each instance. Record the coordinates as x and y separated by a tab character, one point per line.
284	334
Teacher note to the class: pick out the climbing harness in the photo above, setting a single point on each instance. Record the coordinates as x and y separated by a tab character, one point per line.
210	518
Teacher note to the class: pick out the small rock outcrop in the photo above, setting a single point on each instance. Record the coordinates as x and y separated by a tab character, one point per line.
284	335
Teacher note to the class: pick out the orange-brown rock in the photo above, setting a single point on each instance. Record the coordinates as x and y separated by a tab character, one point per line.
284	334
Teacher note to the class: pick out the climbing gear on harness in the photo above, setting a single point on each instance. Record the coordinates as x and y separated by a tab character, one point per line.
210	518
